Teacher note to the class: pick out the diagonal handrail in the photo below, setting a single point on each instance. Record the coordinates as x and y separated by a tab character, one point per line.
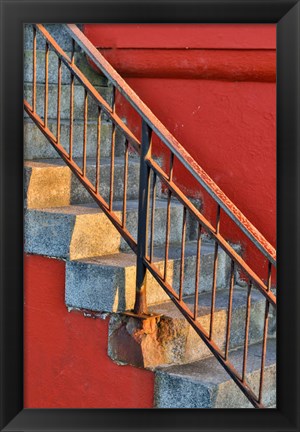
147	164
171	142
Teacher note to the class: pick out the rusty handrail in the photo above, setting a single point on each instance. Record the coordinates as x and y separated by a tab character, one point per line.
147	166
171	142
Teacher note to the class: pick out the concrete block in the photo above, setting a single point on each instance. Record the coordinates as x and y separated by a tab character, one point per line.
88	287
57	32
105	92
50	182
80	61
205	384
69	232
36	145
80	231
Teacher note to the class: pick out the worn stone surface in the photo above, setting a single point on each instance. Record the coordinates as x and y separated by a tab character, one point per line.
50	182
69	232
87	286
93	234
80	61
36	145
205	384
57	32
78	106
173	339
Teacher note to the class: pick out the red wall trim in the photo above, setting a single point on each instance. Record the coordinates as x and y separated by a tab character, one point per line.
225	65
211	36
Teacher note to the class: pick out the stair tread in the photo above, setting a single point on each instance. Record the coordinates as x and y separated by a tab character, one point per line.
208	371
93	208
169	309
53	163
128	258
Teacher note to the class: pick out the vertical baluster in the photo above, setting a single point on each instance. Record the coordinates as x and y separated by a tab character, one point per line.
228	329
168	218
71	103
181	278
85	114
58	101
98	150
197	277
265	335
34	71
112	156
140	306
247	324
214	283
152	216
46	85
125	185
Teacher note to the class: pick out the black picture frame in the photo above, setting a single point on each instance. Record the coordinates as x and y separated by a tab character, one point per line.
286	13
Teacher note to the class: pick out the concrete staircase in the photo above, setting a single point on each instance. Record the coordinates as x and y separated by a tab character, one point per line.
62	221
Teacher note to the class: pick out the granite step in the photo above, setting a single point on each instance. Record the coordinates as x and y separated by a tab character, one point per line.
80	61
78	104
36	145
107	283
80	231
58	32
167	338
51	183
205	384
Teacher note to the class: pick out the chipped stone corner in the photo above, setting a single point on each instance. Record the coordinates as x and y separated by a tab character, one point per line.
146	342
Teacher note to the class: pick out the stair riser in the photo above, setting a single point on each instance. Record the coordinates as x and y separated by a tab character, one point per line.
175	392
57	186
72	237
36	145
78	104
80	61
111	289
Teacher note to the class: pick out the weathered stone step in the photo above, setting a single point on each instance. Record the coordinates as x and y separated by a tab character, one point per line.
78	105
61	36
36	145
80	231
107	283
80	61
51	183
205	384
171	339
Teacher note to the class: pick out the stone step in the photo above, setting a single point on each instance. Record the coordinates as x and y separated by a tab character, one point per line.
172	340
107	283
36	145
51	183
205	384
80	231
57	31
78	105
80	61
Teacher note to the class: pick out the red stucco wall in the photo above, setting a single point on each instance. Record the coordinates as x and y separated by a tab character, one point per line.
65	354
214	88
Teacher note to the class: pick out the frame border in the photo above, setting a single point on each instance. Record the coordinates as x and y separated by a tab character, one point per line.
286	13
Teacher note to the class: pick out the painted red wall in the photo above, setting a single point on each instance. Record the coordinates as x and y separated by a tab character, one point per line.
65	354
214	88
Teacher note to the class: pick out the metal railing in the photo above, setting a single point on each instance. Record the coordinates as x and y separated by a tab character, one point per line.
150	172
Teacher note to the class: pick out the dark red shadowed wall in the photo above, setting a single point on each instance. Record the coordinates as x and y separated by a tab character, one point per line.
65	354
214	88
